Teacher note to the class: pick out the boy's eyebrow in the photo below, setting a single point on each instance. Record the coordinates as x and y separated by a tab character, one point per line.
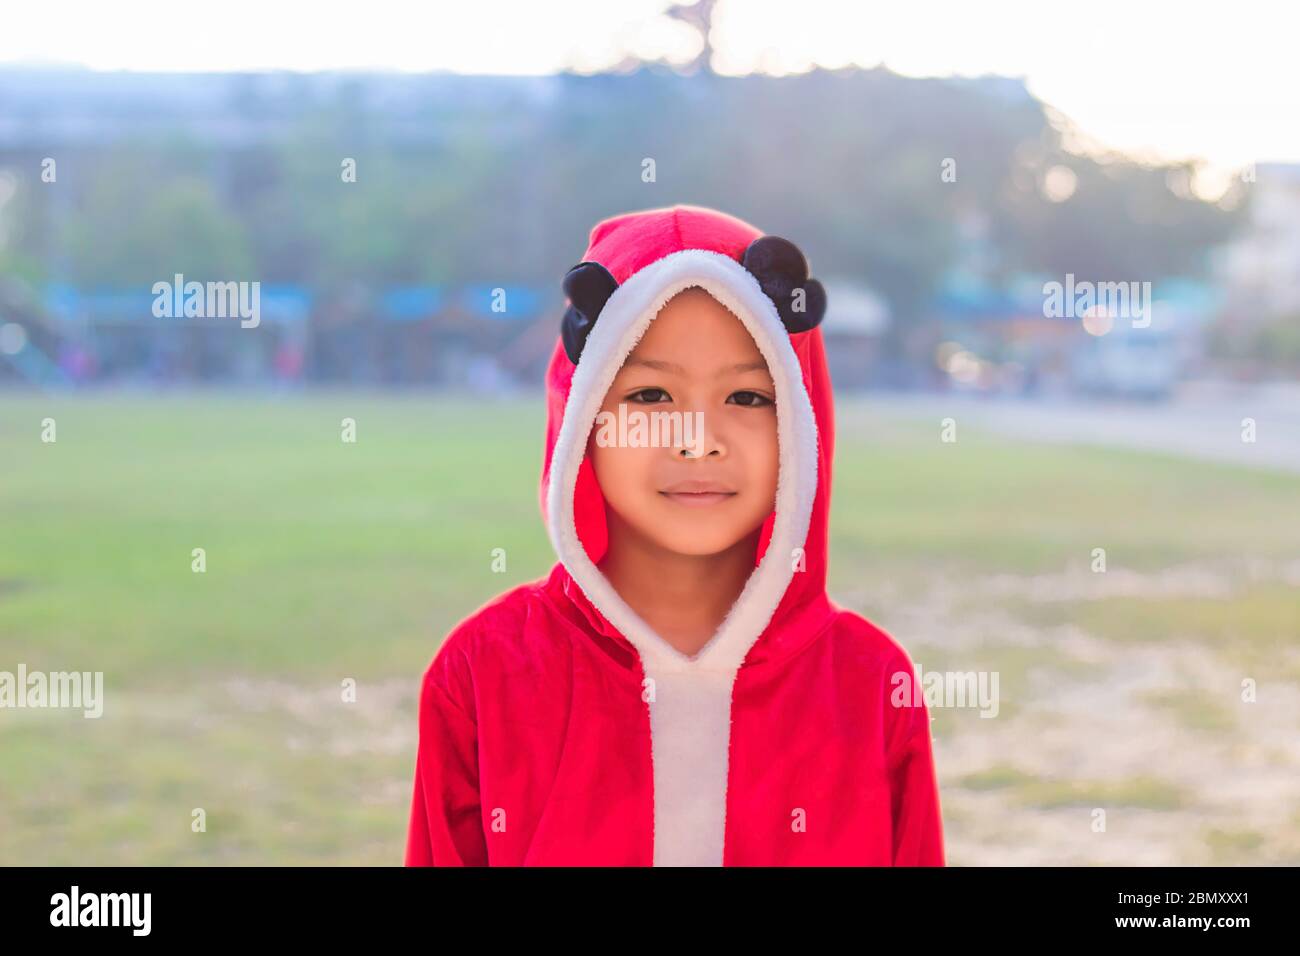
756	366
657	365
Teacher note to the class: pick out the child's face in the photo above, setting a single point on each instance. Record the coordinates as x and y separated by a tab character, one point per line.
697	360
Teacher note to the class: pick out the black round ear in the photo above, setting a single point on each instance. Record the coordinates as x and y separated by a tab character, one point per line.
588	286
782	272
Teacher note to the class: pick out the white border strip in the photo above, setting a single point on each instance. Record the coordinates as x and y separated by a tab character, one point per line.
622	322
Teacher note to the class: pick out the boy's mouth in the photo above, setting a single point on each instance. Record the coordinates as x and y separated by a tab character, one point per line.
698	493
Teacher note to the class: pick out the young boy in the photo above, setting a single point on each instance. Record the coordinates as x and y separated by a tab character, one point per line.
679	690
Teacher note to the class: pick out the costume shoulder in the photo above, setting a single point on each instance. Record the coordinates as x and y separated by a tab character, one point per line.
875	659
499	634
872	642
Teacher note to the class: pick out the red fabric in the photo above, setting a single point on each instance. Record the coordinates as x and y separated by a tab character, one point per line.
534	739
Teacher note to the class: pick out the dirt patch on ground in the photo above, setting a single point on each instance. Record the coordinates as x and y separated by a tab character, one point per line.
1161	737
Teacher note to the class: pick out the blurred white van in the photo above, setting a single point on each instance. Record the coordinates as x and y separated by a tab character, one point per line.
1128	362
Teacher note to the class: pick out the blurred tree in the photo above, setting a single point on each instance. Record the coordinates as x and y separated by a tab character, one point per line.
700	16
132	231
496	179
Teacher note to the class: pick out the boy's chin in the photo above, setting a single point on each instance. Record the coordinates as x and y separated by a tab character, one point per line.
698	540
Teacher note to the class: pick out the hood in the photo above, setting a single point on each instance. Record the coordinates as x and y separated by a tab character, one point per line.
633	265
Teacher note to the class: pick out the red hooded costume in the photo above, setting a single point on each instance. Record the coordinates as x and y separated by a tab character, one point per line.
557	728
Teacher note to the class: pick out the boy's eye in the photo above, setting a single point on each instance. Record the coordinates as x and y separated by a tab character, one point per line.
747	398
650	396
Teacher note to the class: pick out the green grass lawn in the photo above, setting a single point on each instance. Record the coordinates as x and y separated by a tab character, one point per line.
328	560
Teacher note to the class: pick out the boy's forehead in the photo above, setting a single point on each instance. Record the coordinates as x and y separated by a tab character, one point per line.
709	359
693	321
694	297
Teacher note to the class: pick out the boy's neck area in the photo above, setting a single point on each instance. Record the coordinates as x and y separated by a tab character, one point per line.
683	597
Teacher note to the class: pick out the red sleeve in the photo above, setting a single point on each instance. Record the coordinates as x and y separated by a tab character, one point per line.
446	826
917	818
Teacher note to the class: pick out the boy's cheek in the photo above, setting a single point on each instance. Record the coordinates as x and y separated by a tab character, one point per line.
626	476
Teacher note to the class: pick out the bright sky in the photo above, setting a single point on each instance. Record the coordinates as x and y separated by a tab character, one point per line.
1169	79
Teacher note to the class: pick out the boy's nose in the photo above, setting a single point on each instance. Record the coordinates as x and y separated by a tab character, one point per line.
712	448
701	438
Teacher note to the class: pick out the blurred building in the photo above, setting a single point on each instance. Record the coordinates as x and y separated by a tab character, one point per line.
856	318
1261	269
1257	336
